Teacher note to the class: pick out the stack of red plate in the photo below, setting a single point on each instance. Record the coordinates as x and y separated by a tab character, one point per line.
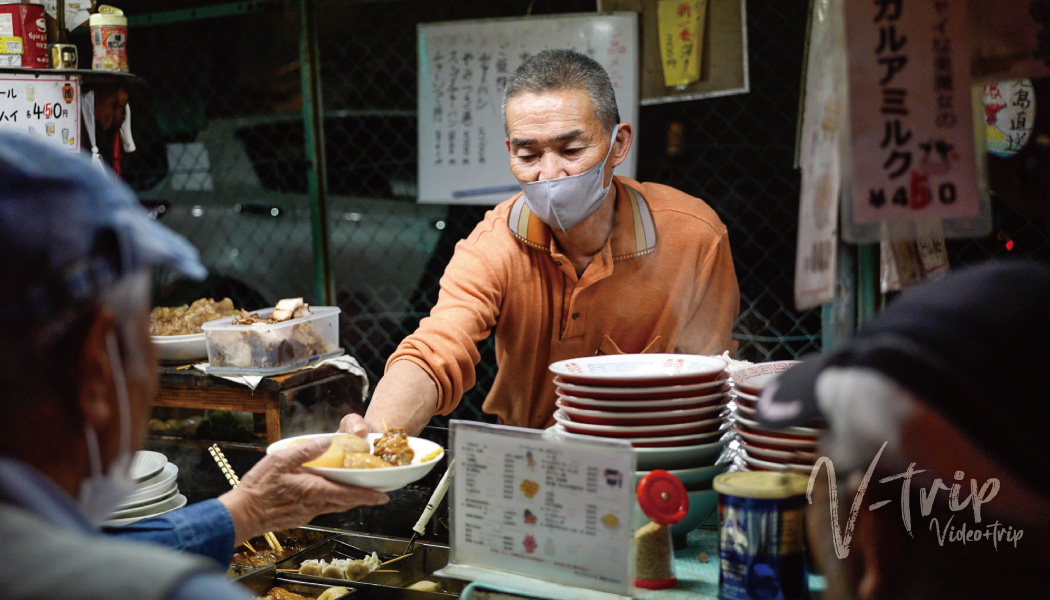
650	400
766	449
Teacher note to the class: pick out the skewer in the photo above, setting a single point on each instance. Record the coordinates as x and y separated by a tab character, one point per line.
231	477
383	564
250	548
385	571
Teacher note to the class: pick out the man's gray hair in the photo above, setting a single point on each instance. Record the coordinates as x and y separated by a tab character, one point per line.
551	70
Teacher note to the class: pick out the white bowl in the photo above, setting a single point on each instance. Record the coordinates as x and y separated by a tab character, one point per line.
702	503
180	348
384	479
654	392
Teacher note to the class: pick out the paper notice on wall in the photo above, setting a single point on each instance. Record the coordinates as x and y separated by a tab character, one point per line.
911	115
46	107
819	159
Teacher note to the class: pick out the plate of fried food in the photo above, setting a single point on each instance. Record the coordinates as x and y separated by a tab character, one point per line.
382	461
176	330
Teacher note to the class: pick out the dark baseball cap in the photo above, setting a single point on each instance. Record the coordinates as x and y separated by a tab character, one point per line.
69	229
971	345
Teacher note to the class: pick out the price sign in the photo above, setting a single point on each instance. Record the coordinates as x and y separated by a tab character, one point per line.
541	513
43	106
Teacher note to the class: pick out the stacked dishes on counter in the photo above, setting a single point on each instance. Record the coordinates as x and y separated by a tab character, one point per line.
766	449
668	406
156	490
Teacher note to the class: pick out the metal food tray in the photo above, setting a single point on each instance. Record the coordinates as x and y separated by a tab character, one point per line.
306	537
262	580
426	558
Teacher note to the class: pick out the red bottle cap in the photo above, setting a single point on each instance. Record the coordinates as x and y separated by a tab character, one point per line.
663	498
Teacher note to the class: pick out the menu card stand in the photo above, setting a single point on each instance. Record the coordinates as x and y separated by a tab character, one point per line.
542	514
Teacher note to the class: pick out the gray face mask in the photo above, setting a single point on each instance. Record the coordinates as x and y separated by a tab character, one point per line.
104	489
567	201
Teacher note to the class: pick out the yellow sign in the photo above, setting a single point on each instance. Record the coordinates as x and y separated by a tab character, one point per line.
681	28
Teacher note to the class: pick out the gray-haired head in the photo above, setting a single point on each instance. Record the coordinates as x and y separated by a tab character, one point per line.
551	70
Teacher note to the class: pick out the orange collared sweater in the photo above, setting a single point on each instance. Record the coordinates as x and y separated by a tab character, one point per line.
664	282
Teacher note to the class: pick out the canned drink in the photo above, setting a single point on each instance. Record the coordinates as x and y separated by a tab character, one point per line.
761	535
109	39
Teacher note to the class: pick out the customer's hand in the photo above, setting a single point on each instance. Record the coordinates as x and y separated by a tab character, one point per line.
276	493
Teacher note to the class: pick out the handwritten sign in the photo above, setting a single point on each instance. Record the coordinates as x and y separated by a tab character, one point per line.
910	111
550	511
43	106
463	70
681	26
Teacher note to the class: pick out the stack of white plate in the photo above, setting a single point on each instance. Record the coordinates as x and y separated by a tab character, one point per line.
668	406
156	491
766	449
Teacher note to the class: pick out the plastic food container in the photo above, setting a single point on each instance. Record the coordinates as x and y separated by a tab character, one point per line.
265	349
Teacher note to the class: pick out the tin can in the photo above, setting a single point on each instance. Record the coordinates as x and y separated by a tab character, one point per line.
109	39
23	36
761	535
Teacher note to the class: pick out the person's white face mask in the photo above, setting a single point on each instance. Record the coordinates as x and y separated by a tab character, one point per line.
106	488
567	201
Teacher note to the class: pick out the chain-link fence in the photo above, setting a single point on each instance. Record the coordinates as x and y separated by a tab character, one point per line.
221	143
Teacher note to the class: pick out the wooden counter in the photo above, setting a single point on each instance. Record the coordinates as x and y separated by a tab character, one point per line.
305	401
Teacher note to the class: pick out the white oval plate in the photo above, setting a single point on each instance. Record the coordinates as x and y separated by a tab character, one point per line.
146	464
639	369
385	479
808	433
180	348
659	392
123	517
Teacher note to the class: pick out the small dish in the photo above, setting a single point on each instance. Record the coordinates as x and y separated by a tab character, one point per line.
652	417
180	348
752	379
767	441
621	431
617	405
657	392
146	464
384	479
639	370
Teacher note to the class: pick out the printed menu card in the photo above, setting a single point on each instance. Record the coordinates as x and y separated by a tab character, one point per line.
553	511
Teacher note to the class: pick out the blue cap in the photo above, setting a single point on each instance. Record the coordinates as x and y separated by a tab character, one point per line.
68	230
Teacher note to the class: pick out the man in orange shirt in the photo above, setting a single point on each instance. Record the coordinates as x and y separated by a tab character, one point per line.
580	263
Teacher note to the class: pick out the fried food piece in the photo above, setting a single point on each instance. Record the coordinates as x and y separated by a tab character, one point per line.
363	460
342	444
277	593
333	592
393	447
186	320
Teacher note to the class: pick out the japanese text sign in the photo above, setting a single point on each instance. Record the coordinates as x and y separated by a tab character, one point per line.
910	111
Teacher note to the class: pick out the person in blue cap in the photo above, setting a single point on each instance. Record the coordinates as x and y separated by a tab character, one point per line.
77	376
934	480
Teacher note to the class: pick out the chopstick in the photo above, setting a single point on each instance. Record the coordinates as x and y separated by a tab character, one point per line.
231	477
382	564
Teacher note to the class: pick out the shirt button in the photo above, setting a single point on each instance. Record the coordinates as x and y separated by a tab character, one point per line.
575	315
557	263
